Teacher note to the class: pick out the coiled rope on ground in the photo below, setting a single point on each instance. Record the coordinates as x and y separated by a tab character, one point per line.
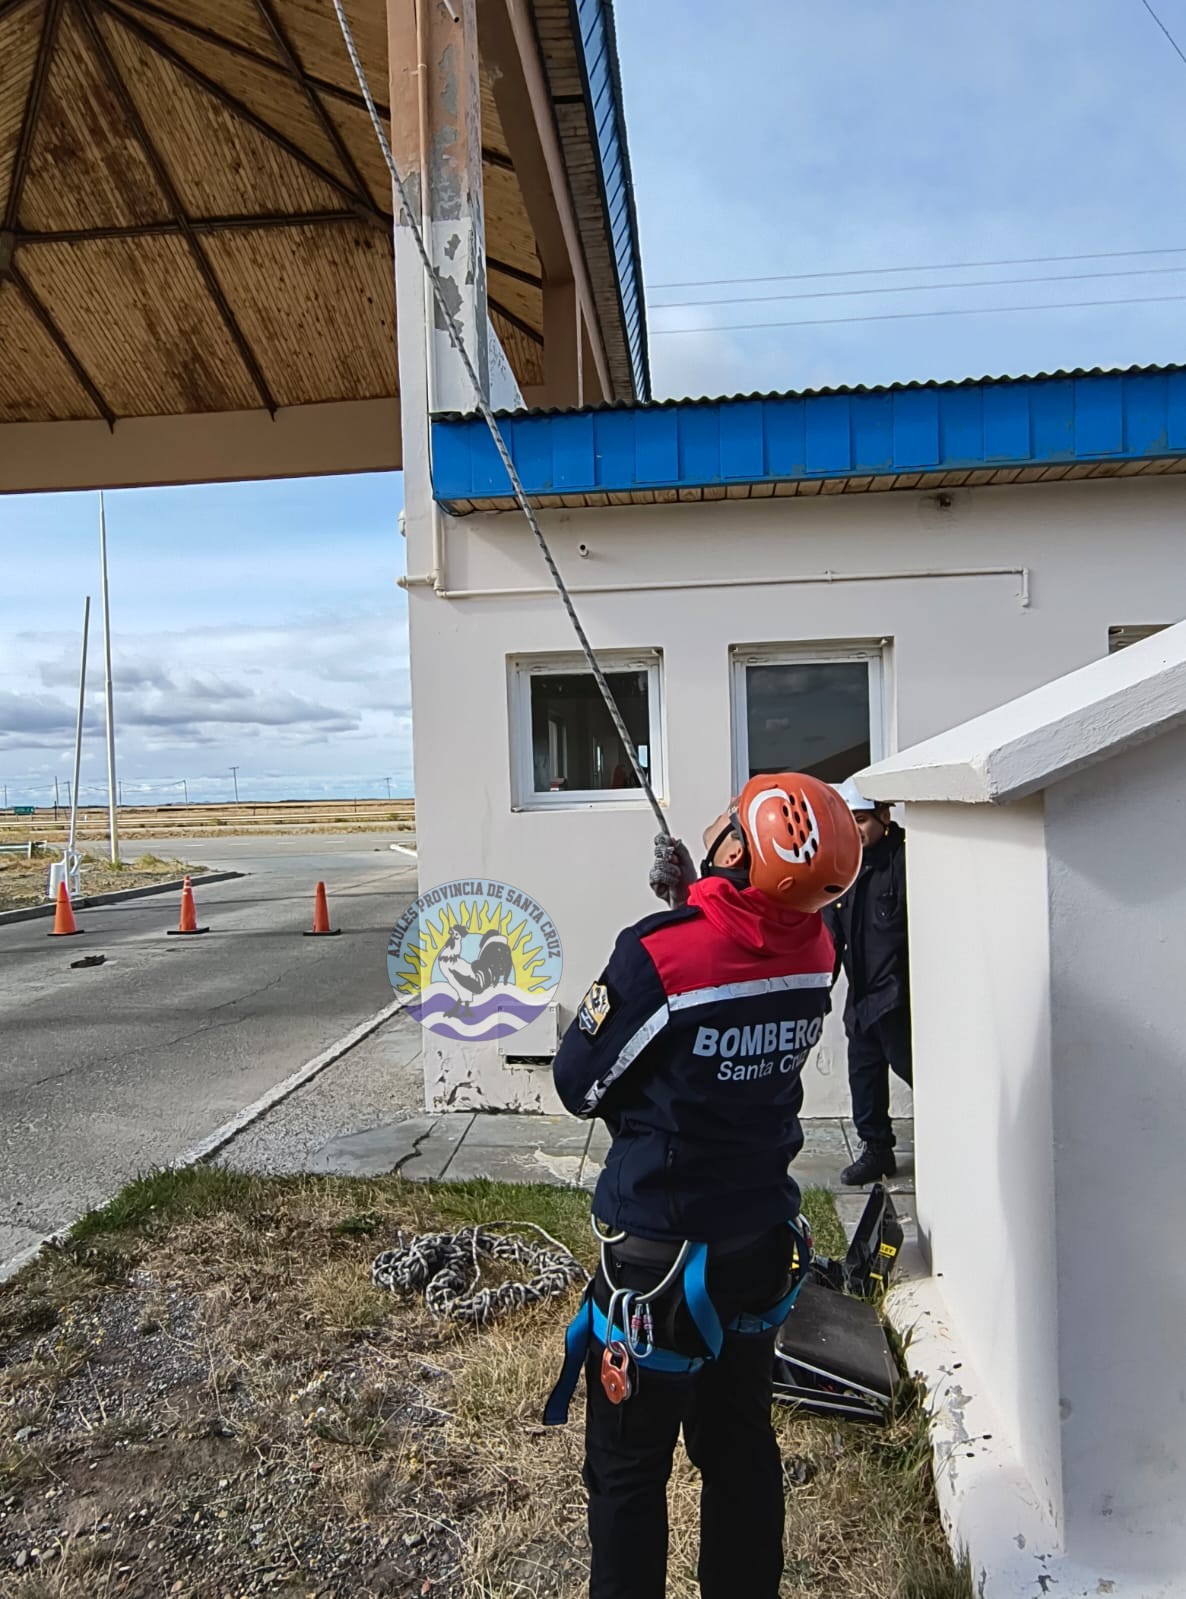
448	1268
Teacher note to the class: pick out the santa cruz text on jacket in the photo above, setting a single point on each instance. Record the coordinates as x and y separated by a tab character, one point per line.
691	1046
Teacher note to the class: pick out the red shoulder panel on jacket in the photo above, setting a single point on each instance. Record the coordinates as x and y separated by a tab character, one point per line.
738	937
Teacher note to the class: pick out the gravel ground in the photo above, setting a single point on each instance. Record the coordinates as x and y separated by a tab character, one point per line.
230	1430
377	1081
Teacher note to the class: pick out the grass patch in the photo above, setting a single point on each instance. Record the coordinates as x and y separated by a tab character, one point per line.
562	1212
161	1197
342	1296
828	1235
208	1391
166	866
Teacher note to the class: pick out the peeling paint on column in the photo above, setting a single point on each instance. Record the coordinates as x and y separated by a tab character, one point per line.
446	177
447	74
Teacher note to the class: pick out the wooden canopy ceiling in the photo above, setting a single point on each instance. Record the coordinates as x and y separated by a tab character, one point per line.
195	215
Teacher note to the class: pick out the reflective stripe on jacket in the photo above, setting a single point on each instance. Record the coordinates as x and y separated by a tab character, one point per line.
691	1046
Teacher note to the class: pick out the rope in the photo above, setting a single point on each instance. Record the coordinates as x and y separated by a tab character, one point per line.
448	1267
521	500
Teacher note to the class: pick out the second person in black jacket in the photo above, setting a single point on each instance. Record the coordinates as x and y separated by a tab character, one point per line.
868	928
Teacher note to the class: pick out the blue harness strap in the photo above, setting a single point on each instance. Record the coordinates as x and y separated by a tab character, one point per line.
656	1360
700	1307
590	1323
577	1338
764	1320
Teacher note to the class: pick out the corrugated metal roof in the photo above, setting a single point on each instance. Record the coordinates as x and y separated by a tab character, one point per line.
811	394
869	437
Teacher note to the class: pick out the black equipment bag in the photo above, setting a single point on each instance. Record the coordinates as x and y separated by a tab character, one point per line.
832	1357
874	1247
865	1270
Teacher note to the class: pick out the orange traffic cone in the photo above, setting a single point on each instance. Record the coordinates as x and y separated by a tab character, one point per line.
189	916
64	923
321	927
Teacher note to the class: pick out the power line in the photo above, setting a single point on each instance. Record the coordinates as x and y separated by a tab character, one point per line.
923	288
1173	42
904	316
933	266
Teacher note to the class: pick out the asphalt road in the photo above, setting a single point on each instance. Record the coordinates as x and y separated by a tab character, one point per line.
109	1071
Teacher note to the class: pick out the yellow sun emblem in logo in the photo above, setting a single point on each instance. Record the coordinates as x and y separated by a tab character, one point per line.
420	954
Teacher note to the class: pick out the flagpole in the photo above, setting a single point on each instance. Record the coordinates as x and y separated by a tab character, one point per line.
86	622
112	791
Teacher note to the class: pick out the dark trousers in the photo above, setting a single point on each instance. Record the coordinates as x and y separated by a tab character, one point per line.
724	1410
872	1054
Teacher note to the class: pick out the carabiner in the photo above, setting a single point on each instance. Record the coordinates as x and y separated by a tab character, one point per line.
640	1325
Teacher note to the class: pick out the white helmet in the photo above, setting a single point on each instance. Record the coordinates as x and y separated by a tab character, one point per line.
853	798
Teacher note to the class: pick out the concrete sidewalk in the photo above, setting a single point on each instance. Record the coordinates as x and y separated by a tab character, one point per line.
361	1117
559	1149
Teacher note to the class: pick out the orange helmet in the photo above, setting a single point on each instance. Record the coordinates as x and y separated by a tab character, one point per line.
804	845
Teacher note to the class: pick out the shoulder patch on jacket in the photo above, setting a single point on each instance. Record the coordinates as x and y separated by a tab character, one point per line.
594	1009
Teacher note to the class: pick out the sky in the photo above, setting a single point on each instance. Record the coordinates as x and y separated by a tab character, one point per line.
260	626
257	625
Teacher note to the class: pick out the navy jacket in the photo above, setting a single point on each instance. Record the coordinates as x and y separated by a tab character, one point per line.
868	928
691	1046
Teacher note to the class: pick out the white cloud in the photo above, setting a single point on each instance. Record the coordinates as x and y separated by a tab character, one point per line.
290	697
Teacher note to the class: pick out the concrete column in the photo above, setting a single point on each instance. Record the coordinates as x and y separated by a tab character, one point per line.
436	139
412	293
437	145
563	352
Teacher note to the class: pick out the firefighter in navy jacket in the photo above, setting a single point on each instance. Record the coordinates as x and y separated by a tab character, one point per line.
868	928
691	1047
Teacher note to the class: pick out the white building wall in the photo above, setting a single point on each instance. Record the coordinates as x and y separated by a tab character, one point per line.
982	1128
1098	553
1117	916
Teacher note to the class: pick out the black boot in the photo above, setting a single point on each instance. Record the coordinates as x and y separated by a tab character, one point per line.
873	1163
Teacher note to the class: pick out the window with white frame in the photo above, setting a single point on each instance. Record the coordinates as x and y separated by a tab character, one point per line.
807	708
565	749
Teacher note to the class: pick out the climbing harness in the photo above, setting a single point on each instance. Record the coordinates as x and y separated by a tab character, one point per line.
448	1267
483	406
625	1328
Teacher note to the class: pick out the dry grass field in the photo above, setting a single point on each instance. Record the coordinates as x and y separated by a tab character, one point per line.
23	882
138	822
203	1395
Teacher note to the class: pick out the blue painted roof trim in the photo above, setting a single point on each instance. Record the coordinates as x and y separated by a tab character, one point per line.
598	51
1017	422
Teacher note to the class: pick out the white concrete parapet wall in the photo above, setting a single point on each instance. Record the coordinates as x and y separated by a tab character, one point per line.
1047	884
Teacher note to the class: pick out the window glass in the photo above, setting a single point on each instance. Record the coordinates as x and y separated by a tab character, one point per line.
808	716
573	741
1120	637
